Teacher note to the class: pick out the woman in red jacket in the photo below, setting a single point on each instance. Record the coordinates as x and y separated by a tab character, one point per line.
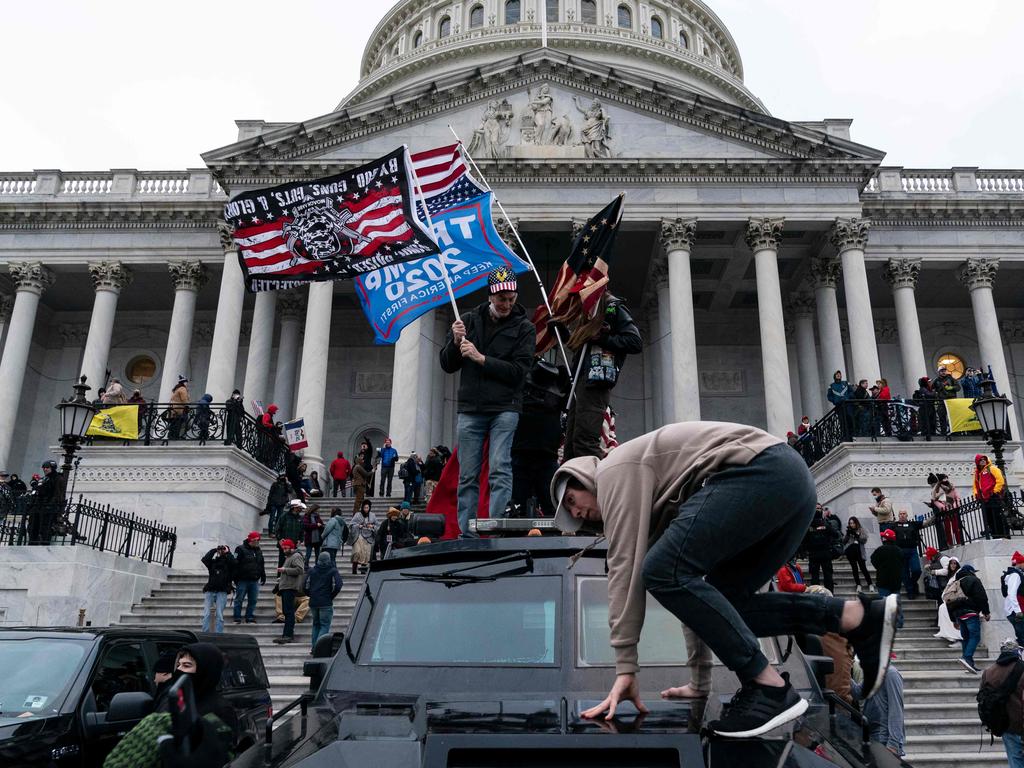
791	578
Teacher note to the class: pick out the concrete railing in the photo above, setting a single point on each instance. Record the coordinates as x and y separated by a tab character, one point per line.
195	184
946	181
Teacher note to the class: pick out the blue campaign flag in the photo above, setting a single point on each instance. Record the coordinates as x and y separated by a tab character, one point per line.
396	295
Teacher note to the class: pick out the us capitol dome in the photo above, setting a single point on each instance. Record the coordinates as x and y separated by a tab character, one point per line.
677	42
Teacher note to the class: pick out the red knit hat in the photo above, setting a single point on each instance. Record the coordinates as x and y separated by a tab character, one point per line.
931	552
253	536
287	544
1017	558
888	534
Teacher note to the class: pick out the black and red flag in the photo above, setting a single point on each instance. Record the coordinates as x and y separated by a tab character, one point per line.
583	278
334	228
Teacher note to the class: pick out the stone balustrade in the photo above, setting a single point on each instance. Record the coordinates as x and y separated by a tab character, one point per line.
945	181
89	185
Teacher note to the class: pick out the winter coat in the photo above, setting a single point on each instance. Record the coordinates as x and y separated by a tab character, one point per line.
359	475
621	337
294	574
203	412
340	468
971	386
310	522
818	540
289	526
908	534
945	386
114	395
432	468
856	538
333	533
979	484
507	346
791	578
363	526
838	392
413	472
885	393
249	564
995	676
179	400
291	471
278	494
46	488
323	583
835	527
396	529
387	456
976	600
221	567
882	510
888	563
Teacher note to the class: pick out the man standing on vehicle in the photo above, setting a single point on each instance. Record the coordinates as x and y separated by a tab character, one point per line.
387	457
702	515
250	573
493	347
220	564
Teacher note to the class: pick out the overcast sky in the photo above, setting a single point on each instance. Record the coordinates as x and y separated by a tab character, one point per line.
105	84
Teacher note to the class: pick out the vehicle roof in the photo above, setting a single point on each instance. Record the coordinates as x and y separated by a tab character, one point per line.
468	549
93	633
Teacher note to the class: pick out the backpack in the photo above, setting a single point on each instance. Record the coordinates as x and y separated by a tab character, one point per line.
1007	572
403	473
953	593
992	701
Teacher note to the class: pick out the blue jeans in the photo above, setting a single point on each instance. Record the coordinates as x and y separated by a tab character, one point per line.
219	599
276	510
1014	746
322	618
970	633
1017	622
314	550
288	609
911	570
473	430
726	542
250	590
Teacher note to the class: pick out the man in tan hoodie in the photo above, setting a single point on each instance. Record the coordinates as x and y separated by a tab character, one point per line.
701	515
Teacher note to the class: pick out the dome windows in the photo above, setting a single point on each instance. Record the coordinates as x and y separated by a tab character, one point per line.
417	40
625	17
551	9
657	31
476	17
513	11
444	27
588	11
683	40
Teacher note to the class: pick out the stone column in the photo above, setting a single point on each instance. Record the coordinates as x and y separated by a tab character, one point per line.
849	236
312	395
666	365
291	308
802	308
653	351
189	277
825	274
6	305
410	421
261	340
677	236
108	278
30	278
978	275
902	274
763	237
220	379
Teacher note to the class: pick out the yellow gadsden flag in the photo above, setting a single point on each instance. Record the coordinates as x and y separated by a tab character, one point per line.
120	421
961	417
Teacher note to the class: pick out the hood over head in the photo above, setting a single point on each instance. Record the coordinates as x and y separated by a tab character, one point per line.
206	398
272	408
209	666
978	457
341	455
583	469
964	570
323	562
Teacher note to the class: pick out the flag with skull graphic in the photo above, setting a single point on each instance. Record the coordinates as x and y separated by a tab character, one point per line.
334	228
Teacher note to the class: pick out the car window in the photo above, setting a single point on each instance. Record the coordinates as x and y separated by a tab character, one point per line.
661	640
508	622
243	669
121	669
35	675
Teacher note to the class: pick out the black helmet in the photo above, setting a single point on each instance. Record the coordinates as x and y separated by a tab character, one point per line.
50	464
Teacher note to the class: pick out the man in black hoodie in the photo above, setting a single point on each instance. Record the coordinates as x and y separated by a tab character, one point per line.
966	609
220	564
493	347
250	574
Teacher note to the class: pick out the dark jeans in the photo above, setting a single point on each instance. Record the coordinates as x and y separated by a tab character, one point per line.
312	549
822	565
387	474
726	542
334	555
246	590
412	491
1017	622
911	571
276	510
586	417
531	477
338	487
856	561
970	635
288	609
995	520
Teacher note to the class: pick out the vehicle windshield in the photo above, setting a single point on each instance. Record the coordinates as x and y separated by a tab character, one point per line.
510	622
36	675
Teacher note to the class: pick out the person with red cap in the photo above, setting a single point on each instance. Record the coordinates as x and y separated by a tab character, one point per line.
340	469
888	563
1012	587
290	579
988	487
250	573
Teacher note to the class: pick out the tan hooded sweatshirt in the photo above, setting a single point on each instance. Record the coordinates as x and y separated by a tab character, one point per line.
639	488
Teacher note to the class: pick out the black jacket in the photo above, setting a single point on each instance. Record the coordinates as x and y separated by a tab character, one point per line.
249	564
622	337
977	597
908	534
278	495
507	346
432	468
221	570
323	583
888	562
818	540
946	386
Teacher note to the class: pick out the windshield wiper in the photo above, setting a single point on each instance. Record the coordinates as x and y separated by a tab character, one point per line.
458	576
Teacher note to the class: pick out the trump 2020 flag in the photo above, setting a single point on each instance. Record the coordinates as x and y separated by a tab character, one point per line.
295	434
394	296
333	228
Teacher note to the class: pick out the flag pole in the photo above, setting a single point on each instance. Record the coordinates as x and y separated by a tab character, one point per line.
430	223
526	253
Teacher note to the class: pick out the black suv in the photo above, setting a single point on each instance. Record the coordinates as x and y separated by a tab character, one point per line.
483	653
68	695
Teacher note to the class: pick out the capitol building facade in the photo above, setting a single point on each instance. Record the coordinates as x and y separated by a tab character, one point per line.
759	254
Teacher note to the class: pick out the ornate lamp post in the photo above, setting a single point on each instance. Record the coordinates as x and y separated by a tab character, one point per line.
75	416
992	412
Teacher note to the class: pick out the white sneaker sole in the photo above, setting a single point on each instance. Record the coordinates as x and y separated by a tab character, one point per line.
968	667
780	719
889	619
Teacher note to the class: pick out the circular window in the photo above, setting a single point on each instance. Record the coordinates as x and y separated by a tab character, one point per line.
953	364
140	370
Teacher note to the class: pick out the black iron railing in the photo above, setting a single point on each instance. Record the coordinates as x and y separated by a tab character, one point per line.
164	423
903	420
966	521
28	521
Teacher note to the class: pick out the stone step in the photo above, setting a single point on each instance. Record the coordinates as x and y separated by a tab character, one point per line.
946	694
940	678
948	726
964	759
978	740
936	655
940	710
951	663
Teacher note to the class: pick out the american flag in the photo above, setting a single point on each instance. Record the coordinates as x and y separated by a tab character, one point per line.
444	179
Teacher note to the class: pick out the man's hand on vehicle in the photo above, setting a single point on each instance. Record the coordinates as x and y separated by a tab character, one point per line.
625	688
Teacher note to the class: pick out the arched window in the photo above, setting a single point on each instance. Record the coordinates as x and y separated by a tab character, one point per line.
552	10
476	17
625	17
394	52
656	30
417	40
588	11
683	41
513	11
444	27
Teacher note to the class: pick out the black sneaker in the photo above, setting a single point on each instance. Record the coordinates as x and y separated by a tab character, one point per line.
970	666
238	621
757	709
872	641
